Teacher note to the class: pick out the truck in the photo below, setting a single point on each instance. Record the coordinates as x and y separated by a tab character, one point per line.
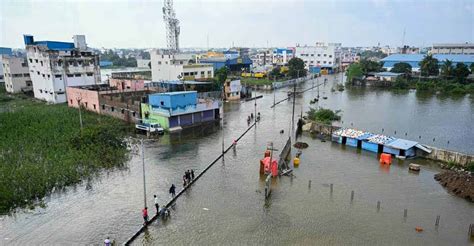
150	127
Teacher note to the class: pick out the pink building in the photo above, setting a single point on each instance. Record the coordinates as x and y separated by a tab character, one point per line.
85	97
127	84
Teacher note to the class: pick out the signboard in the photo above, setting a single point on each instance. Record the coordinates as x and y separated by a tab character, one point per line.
239	61
235	86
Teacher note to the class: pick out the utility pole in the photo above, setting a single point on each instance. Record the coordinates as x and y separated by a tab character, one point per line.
223	94
143	166
80	114
255	115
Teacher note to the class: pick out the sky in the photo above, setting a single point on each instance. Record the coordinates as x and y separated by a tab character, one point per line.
226	23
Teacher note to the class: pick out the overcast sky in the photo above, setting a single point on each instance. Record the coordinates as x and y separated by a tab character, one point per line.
257	23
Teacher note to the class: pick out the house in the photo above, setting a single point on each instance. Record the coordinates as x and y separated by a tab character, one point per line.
16	75
387	76
168	66
232	90
176	110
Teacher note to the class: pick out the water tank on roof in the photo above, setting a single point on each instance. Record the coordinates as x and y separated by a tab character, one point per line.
80	42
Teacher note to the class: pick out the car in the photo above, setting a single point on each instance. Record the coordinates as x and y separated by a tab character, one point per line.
150	127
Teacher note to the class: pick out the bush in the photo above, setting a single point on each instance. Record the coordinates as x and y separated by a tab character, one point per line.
322	115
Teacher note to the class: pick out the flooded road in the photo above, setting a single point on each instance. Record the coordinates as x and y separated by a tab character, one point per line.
227	205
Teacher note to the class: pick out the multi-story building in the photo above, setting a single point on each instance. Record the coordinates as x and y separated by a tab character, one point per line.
53	66
281	56
175	110
143	63
465	48
262	57
3	52
323	56
166	66
16	75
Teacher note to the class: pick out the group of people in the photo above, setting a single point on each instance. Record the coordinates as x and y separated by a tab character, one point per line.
188	177
250	118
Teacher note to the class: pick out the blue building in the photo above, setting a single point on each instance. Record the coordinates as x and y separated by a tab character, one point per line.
415	59
234	64
174	110
5	51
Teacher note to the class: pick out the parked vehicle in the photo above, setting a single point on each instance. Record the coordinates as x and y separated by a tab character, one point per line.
150	127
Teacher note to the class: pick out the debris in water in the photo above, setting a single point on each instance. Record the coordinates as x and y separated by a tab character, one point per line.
301	145
205	209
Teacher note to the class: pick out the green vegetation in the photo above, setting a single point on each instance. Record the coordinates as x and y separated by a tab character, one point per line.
402	67
42	149
256	81
296	68
323	115
470	167
368	66
354	71
429	66
372	54
117	60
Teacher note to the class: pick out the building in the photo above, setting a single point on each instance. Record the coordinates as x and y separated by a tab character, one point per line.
3	53
143	63
235	64
16	74
415	59
387	76
324	56
53	66
281	56
103	99
232	90
175	110
167	66
465	48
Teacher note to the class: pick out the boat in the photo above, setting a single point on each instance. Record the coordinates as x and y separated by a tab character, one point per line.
414	167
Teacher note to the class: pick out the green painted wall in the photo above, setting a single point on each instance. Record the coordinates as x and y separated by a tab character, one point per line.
154	118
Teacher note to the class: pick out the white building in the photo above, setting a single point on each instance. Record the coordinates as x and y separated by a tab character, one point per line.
53	66
465	48
166	66
3	53
143	63
325	56
16	75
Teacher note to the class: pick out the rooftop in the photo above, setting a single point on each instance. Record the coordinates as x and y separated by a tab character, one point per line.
387	74
175	93
453	45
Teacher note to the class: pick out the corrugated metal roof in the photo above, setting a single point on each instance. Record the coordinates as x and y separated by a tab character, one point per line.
387	74
402	144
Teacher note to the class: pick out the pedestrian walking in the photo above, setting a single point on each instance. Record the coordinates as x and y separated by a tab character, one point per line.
184	180
173	190
145	215
192	174
157	206
107	242
188	175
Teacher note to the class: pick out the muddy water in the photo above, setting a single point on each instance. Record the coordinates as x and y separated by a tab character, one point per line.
231	192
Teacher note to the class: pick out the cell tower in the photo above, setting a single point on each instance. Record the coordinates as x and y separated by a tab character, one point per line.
172	26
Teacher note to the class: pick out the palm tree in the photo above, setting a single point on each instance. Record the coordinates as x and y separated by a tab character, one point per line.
447	69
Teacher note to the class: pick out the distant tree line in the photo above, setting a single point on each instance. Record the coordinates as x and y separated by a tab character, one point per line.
118	61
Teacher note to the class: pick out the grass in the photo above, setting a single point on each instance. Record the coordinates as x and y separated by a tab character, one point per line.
42	148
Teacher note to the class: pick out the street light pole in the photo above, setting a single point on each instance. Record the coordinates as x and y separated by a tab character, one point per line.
143	166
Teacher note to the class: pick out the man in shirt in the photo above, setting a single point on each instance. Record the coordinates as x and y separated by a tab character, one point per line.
157	206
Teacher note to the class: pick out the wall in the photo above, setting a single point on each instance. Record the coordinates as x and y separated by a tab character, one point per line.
447	156
16	75
88	98
127	84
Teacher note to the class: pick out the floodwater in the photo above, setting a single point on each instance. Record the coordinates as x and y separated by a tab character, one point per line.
227	205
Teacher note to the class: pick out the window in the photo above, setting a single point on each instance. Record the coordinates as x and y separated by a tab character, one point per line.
330	56
79	62
29	83
38	72
94	106
77	75
60	63
89	74
70	101
202	73
319	62
58	76
159	62
133	113
312	54
324	62
24	64
70	75
26	75
41	91
44	76
86	104
112	109
325	55
123	111
31	60
166	62
162	103
319	54
49	76
103	106
36	60
181	62
41	62
330	62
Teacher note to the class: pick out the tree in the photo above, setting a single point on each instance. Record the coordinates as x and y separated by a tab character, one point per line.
461	72
472	68
275	73
429	66
447	69
296	68
354	71
221	75
370	66
402	67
